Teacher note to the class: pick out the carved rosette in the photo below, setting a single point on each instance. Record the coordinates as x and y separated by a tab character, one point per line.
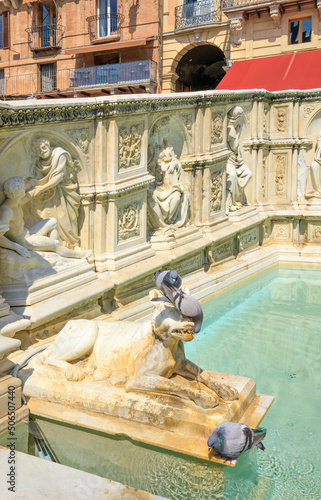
216	192
217	128
279	179
129	222
282	231
81	138
130	145
314	232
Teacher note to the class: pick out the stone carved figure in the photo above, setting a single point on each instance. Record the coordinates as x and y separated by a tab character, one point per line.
141	356
313	181
238	174
54	189
42	236
167	203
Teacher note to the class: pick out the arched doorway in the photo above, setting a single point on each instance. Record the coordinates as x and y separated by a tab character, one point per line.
201	68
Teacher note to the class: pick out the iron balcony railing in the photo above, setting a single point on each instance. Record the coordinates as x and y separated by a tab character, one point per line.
45	36
201	12
114	74
108	76
104	26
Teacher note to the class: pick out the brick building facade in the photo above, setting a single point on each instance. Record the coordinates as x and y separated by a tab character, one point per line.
61	48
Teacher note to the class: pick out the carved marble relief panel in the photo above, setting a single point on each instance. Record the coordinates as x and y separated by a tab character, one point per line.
278	180
267	231
248	239
130	145
264	177
222	251
216	195
217	127
189	264
314	231
282	231
266	110
280	119
129	222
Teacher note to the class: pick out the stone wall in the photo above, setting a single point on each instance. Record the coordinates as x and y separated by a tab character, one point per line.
148	182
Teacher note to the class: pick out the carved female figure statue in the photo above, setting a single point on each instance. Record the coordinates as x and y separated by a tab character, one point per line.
238	174
168	204
313	182
54	190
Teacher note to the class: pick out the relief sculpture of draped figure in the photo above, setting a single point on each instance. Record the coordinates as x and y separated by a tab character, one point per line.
53	188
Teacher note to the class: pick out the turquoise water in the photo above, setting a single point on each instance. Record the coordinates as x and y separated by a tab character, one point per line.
268	329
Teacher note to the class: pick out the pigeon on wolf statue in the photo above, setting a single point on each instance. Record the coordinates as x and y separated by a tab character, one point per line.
230	439
169	282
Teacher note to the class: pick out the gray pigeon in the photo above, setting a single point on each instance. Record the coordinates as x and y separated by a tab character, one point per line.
170	277
189	307
230	439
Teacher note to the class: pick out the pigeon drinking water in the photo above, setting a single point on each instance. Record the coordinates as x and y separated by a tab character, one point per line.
230	439
169	282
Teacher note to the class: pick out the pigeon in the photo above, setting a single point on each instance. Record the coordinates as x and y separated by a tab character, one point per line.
230	439
170	277
189	307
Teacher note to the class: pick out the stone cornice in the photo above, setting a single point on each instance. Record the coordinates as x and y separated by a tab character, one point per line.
276	143
12	115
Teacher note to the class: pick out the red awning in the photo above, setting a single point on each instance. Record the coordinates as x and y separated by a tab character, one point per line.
106	46
298	71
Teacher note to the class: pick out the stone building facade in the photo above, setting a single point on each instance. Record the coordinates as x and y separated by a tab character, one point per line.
202	39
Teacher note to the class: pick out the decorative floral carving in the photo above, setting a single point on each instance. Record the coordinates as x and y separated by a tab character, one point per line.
282	231
129	222
130	143
307	110
217	128
316	233
81	138
281	120
265	118
216	191
263	186
280	177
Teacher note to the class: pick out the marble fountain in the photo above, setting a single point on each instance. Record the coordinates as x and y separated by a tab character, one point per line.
98	194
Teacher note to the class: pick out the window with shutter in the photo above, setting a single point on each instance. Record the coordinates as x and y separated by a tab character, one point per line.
4	30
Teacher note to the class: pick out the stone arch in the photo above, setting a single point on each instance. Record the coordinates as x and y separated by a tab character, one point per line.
175	132
16	154
312	130
199	67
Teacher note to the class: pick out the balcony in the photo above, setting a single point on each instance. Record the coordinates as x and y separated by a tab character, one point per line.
104	26
136	72
45	37
198	13
95	80
234	4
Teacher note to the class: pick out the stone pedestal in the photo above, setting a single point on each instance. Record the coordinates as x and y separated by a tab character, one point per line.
161	420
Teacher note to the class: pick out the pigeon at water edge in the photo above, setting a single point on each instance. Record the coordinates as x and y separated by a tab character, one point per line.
230	439
189	307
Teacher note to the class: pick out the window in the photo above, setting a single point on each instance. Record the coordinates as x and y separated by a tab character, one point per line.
107	18
300	31
48	21
48	77
4	30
